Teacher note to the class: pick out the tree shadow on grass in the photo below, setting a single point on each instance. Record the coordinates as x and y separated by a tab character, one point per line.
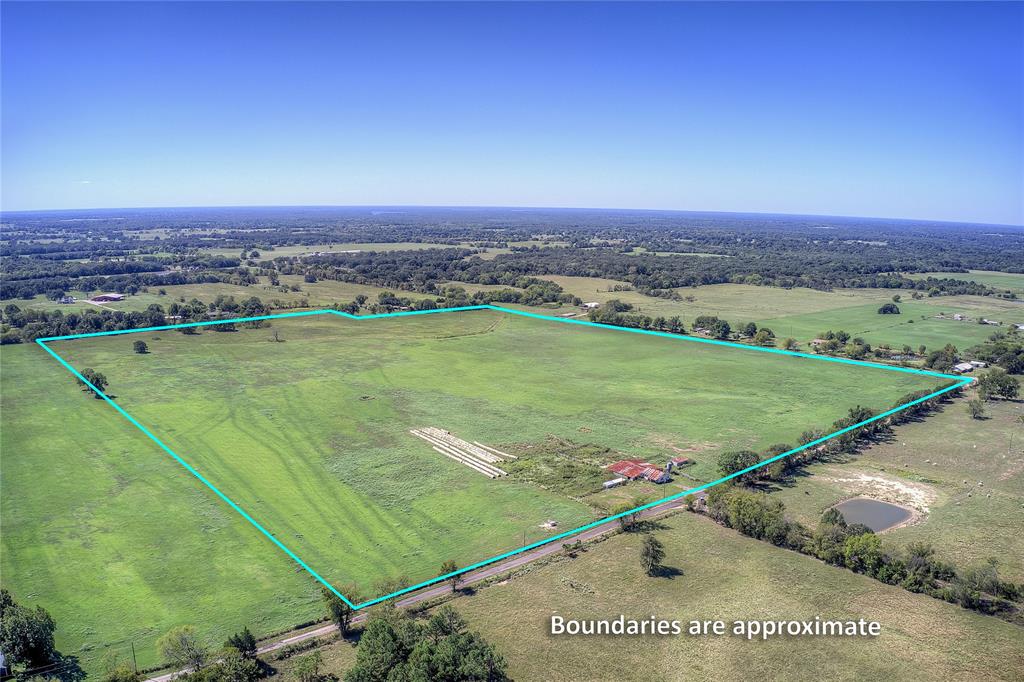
68	669
670	572
644	526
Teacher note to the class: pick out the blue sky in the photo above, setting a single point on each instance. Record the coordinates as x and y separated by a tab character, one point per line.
893	110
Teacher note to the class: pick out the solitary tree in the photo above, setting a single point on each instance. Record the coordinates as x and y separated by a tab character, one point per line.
627	514
976	408
140	347
450	567
95	378
244	642
181	648
651	555
340	612
889	309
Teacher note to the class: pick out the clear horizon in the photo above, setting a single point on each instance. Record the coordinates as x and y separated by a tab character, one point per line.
410	207
886	111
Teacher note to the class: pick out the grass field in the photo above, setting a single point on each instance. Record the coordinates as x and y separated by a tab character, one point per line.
967	476
316	294
307	249
805	313
105	533
724	576
1006	281
309	435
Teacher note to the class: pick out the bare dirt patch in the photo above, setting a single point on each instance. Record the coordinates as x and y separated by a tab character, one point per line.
916	497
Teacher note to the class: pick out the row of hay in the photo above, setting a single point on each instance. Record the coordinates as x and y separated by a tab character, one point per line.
478	457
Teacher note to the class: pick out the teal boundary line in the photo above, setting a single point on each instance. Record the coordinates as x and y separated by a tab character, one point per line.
959	382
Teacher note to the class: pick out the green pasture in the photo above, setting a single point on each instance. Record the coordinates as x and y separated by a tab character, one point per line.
970	473
721	575
337	247
113	538
317	294
805	313
310	436
1007	281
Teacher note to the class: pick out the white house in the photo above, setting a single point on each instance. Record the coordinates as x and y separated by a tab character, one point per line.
963	368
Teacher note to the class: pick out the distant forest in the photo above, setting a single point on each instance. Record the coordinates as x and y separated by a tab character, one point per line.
125	250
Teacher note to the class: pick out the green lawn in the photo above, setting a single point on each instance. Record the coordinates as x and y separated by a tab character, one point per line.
724	576
310	437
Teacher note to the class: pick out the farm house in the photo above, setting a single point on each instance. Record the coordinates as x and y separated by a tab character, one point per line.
637	469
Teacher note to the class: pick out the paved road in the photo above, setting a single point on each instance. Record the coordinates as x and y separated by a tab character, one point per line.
470	578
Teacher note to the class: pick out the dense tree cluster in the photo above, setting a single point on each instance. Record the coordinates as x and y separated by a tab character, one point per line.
857	548
395	647
18	326
42	251
1004	349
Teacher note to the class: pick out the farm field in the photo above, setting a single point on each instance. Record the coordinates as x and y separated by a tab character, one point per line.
104	533
724	575
308	249
999	280
310	436
805	313
916	325
964	476
316	294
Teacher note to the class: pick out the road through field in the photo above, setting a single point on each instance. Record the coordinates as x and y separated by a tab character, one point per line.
470	578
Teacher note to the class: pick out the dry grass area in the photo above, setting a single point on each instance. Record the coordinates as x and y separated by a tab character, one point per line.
722	575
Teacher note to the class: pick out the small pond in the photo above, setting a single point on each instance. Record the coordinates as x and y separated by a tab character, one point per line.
874	514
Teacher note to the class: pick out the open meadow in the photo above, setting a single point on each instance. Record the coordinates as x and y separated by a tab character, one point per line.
803	313
1006	281
310	434
963	477
720	574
